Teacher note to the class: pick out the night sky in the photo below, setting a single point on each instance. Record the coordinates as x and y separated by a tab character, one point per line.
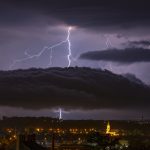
112	35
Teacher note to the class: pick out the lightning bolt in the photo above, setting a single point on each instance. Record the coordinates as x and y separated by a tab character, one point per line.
50	57
108	45
60	114
26	53
69	47
47	48
108	42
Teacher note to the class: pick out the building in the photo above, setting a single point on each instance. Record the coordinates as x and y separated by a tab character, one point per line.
109	131
25	143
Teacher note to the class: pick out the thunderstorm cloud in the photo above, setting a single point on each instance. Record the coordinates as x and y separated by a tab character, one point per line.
143	43
71	88
30	25
128	55
87	14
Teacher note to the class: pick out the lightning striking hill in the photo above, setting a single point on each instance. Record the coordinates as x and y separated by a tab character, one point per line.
71	88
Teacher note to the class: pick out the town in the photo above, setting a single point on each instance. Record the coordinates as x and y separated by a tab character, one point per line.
18	133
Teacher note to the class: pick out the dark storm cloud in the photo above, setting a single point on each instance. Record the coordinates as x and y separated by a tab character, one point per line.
143	43
72	88
95	13
128	55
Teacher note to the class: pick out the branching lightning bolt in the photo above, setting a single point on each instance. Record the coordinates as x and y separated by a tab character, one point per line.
69	47
108	42
47	48
108	45
26	53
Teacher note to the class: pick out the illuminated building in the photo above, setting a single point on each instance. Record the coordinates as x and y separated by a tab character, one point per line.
108	130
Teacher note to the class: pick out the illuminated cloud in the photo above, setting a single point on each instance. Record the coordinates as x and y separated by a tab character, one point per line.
143	43
127	56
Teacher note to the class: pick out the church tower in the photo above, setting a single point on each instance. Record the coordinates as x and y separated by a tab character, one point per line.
108	128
